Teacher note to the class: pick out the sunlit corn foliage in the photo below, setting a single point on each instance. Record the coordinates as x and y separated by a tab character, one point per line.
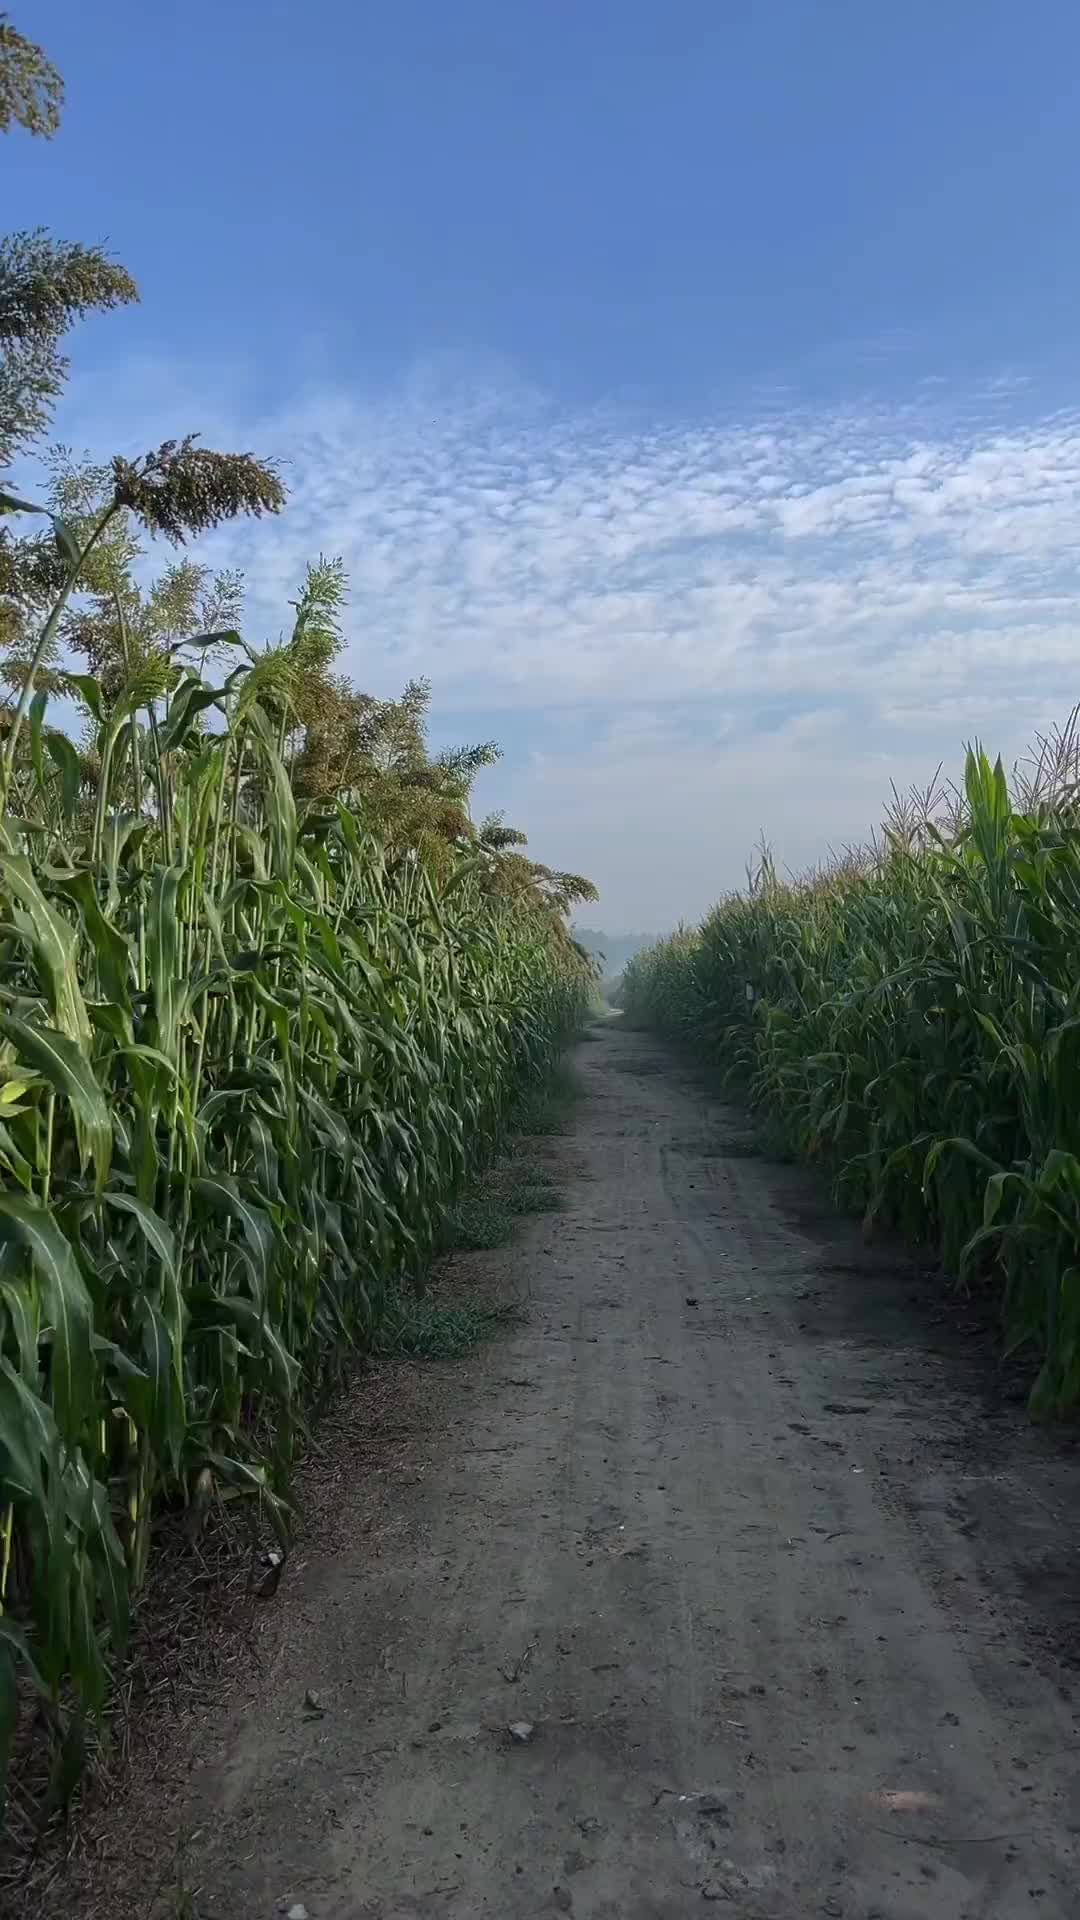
246	1057
911	1017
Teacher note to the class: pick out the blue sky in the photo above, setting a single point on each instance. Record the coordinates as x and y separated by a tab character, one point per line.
690	390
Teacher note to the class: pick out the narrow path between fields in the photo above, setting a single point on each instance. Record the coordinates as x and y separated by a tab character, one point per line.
779	1603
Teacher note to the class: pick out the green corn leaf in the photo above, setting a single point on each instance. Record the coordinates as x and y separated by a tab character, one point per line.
214	1308
20	1452
163	1355
66	1302
53	944
160	1238
67	545
281	805
20	1303
187	703
88	690
223	1193
87	1660
138	1051
157	1233
228	637
111	952
266	1159
69	1073
163	947
113	1592
37	719
38	1419
125	832
66	760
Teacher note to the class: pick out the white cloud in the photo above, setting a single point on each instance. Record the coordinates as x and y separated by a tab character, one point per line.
894	580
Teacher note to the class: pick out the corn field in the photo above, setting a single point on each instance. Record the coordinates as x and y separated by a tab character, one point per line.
267	995
910	1018
246	1057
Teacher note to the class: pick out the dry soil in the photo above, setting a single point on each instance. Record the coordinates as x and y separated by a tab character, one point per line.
727	1578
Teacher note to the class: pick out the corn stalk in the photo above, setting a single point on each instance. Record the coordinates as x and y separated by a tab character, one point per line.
910	1019
245	1062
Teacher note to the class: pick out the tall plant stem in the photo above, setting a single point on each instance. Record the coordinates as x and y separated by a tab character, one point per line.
47	634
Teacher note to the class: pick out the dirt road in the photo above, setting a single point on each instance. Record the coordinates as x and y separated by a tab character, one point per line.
782	1605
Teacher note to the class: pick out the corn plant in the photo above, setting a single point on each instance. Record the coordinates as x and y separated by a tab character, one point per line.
245	1061
911	1019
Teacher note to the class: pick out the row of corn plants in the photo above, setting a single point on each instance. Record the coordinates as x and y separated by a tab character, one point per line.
246	1059
910	1018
